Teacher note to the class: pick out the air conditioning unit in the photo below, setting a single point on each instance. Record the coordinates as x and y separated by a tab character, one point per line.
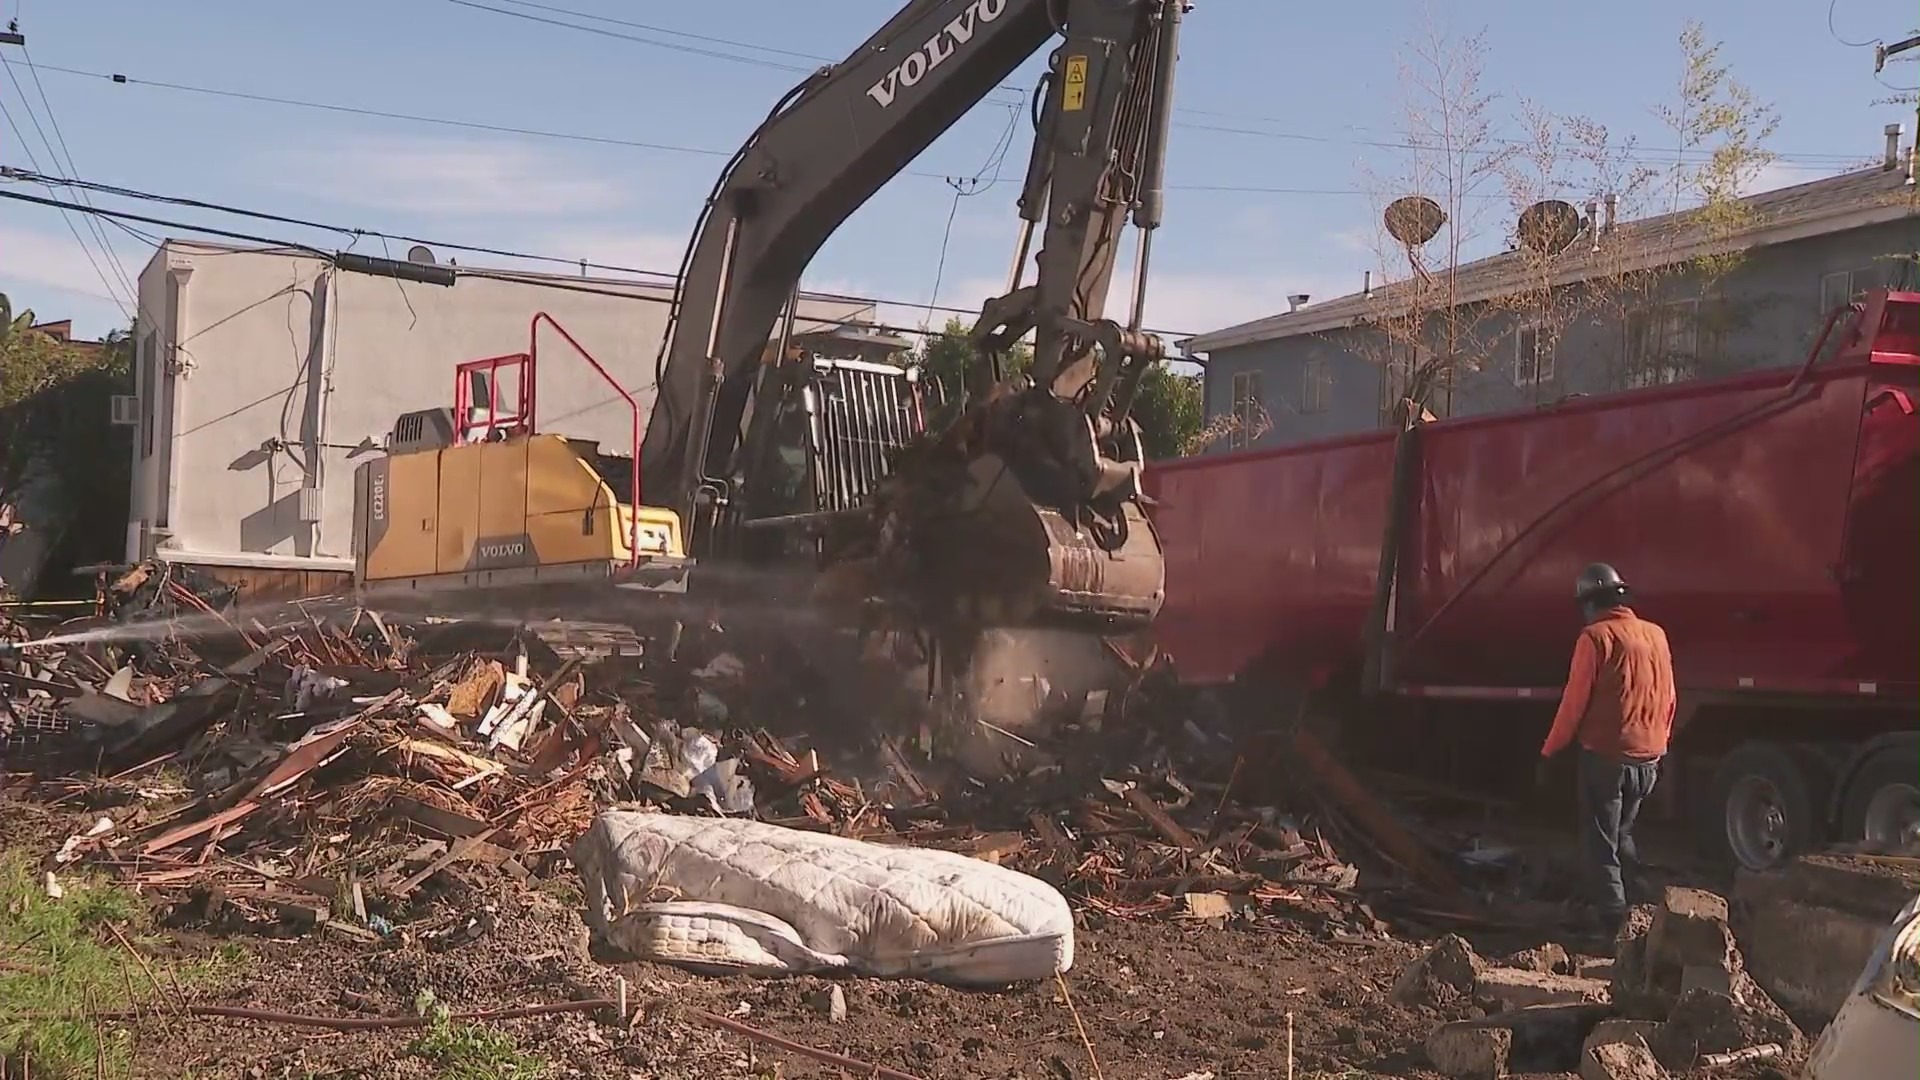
126	410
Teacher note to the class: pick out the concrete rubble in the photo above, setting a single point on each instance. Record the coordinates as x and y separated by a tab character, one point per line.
1678	995
1628	1059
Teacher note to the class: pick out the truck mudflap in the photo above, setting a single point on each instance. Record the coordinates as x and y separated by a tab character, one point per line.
1876	1035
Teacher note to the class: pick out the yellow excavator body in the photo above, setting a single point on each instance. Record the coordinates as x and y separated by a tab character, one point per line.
523	510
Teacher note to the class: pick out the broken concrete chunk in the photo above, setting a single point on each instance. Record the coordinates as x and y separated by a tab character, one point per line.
1718	978
1704	1022
1593	967
1630	1060
1516	989
1444	974
1689	927
1550	958
1633	989
1620	1029
1470	1051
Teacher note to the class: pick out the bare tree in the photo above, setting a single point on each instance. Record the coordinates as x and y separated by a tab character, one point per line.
1581	249
1245	426
1569	186
1421	333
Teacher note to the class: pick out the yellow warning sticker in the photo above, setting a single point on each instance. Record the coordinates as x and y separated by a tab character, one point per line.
1073	96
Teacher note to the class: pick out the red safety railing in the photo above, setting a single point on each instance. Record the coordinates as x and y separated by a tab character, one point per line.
519	420
522	419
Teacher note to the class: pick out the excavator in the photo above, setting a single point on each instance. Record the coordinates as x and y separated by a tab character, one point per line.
788	469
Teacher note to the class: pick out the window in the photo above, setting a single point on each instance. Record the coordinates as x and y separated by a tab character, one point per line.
1840	286
149	391
1316	386
1532	359
1663	343
1249	415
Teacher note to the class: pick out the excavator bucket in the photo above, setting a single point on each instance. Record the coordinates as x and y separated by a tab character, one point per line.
1001	559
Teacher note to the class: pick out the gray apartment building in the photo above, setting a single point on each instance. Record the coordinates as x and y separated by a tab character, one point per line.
1708	298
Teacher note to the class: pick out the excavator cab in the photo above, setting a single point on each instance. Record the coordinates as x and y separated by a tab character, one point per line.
828	418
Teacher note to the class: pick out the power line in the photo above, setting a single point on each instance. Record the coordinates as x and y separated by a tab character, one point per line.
712	53
343	230
664	30
86	251
759	62
20	196
652	42
608	140
106	247
527	131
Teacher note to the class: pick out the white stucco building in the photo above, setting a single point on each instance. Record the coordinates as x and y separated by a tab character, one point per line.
259	372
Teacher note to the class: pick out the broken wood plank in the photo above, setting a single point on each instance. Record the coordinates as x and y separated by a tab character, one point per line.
434	819
459	851
187	832
1169	829
1372	815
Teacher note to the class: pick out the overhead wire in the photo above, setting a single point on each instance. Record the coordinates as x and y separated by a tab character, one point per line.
345	231
33	159
732	57
1835	31
112	257
1807	161
965	187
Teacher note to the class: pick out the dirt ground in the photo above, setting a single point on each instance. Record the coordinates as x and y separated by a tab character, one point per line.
1159	999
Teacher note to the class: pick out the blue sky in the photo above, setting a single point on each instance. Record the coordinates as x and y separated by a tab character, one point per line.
1305	86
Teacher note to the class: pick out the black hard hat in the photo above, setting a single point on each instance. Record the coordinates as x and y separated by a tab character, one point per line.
1599	581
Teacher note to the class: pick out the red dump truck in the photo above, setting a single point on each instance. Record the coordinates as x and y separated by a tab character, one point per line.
1770	520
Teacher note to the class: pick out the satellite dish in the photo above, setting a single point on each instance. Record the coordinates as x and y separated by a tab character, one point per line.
1549	226
420	253
1414	219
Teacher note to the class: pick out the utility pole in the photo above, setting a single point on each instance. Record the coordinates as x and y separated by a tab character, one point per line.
1882	52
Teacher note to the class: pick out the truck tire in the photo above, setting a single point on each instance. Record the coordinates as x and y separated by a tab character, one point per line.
1883	800
1766	806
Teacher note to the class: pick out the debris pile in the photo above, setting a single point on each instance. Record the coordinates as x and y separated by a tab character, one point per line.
1678	999
295	760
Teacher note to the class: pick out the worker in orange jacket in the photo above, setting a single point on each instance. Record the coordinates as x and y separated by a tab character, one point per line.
1619	705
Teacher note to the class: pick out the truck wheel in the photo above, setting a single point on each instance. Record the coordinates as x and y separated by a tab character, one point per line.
1768	802
1883	800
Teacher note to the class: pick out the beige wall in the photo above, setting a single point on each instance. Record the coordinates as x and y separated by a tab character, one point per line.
248	346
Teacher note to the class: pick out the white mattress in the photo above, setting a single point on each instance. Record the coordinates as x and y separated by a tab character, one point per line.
737	895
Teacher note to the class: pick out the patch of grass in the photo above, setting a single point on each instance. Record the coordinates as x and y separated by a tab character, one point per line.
59	958
470	1051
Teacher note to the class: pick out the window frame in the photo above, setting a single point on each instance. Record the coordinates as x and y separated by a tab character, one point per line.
1857	280
1543	369
1246	394
1657	322
1316	385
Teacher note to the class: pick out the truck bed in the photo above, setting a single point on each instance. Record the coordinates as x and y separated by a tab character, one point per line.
1768	520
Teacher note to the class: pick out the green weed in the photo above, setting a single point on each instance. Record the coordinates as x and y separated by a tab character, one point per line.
60	959
470	1051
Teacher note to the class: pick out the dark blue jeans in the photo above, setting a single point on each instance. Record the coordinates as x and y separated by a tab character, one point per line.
1610	796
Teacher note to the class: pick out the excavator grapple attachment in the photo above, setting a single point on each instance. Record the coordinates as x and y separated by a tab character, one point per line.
1010	561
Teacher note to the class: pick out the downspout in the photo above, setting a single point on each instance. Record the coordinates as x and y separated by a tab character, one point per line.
317	452
173	368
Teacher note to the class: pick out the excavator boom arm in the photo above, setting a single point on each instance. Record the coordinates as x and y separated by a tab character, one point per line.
835	141
841	134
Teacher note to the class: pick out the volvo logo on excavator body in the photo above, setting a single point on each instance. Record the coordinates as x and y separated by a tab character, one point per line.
935	52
